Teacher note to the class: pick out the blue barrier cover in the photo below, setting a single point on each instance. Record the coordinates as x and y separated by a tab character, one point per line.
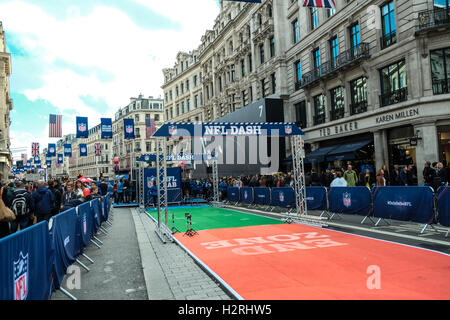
233	194
404	203
443	203
97	205
247	195
85	222
26	264
65	241
349	200
262	196
283	197
316	198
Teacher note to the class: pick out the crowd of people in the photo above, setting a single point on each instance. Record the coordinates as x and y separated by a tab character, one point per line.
34	202
124	191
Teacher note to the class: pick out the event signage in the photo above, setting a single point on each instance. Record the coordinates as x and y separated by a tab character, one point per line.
82	127
51	150
60	159
400	115
128	126
106	126
211	129
48	163
83	150
68	150
173	184
178	157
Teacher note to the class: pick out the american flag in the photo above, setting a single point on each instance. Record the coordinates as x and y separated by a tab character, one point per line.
35	149
149	127
55	126
330	4
98	149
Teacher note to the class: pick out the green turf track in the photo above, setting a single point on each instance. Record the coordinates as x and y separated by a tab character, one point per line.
204	218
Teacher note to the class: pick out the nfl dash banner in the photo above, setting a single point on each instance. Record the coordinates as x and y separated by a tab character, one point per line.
233	194
82	127
316	198
83	150
51	150
404	203
26	264
106	126
128	126
63	234
350	200
85	223
283	197
67	150
262	196
60	159
173	184
247	195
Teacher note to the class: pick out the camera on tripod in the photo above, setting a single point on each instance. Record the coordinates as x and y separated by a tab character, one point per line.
189	230
188	216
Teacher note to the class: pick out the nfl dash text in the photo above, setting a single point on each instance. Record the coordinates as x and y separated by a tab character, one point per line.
226	309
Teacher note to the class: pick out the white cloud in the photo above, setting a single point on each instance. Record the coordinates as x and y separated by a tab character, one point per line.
105	39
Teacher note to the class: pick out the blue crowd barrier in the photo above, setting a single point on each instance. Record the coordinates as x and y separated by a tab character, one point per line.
246	195
350	200
283	197
96	206
443	204
316	198
233	194
64	236
404	203
262	196
26	264
85	222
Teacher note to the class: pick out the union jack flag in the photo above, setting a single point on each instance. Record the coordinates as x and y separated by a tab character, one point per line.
35	149
55	126
330	4
98	149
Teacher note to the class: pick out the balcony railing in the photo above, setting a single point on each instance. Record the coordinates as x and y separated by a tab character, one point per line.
347	57
388	40
358	107
337	114
434	18
319	119
441	86
394	97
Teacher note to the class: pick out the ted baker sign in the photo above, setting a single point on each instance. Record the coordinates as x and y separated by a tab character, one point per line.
341	128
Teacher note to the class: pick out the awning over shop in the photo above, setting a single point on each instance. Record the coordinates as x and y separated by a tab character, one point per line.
346	151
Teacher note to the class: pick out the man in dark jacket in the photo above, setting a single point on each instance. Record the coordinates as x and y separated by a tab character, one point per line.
395	178
53	186
103	187
44	202
428	174
22	204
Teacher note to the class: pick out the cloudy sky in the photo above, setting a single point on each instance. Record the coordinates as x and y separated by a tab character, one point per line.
88	57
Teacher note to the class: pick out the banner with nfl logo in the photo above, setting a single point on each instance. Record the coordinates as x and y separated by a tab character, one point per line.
26	264
106	128
247	195
83	150
82	127
86	220
233	194
48	162
68	150
51	152
128	126
283	197
173	184
350	200
60	159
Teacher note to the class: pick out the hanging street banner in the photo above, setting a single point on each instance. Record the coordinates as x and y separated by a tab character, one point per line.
67	150
49	163
212	129
51	150
19	164
60	159
177	157
106	128
128	126
82	127
83	150
35	149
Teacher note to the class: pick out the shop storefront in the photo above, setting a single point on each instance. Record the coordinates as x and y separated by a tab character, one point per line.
444	144
401	152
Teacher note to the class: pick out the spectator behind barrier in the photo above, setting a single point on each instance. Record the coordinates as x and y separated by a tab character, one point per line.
339	181
22	204
44	201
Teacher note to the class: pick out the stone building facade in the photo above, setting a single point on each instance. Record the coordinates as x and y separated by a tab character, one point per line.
368	82
6	106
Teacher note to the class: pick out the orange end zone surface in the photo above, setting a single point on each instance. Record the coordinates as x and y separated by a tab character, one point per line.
297	262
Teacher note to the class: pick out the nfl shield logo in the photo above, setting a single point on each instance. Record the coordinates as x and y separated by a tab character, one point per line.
147	158
82	127
52	150
129	129
83	150
21	277
288	129
347	199
172	130
281	196
245	194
